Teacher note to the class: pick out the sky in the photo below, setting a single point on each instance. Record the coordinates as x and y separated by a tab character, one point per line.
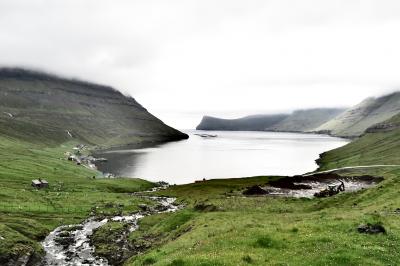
185	59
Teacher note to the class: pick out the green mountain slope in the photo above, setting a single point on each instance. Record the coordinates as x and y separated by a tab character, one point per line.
380	145
298	121
357	119
44	108
306	120
249	123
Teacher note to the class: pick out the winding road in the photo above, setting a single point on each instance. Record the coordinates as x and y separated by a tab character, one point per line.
352	167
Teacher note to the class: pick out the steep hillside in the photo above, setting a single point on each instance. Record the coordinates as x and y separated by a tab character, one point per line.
356	120
248	123
380	145
44	108
306	120
298	121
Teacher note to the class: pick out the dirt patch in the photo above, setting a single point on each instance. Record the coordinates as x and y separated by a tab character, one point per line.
319	185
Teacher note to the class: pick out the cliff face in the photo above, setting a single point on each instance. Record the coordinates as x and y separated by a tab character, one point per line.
298	121
44	108
357	119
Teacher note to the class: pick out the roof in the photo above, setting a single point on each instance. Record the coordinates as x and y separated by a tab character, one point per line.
39	182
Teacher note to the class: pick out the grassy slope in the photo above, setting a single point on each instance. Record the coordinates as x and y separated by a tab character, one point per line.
46	105
27	215
279	231
373	148
357	119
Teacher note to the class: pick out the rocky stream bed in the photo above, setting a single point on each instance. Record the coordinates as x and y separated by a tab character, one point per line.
70	245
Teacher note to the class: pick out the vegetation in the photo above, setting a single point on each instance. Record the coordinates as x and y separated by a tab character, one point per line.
27	215
284	231
357	119
298	121
218	226
380	147
44	108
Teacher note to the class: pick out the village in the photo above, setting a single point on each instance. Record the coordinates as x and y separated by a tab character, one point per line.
80	156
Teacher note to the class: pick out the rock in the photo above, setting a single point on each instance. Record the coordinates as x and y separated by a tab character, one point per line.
371	229
204	207
289	183
65	242
255	190
143	207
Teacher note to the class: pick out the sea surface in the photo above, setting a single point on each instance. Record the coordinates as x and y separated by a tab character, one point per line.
228	155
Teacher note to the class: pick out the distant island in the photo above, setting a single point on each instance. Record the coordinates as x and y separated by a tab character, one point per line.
351	122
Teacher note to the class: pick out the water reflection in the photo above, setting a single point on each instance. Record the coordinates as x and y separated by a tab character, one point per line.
230	154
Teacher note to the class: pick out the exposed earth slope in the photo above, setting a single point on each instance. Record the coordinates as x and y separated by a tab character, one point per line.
41	107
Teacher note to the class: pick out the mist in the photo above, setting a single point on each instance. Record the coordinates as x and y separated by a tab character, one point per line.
186	59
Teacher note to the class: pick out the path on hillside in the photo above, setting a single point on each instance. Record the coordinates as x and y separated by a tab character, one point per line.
352	167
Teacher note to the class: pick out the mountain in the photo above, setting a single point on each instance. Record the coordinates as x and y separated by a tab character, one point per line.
380	145
298	121
357	119
248	123
40	107
306	120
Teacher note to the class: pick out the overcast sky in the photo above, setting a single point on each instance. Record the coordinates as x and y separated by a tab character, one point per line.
183	59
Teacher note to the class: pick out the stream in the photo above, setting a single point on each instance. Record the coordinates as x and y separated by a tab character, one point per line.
69	245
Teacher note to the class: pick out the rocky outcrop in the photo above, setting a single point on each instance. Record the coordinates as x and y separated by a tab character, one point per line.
371	229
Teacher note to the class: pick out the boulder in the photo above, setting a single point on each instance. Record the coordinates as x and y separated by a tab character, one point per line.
371	229
255	190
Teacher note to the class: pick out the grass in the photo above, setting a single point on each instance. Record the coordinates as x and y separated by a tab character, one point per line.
284	231
372	148
218	226
27	215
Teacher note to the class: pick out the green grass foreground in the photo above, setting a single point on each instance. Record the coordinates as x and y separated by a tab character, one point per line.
273	230
237	230
218	226
27	215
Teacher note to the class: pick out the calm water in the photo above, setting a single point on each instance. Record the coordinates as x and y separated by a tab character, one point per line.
230	154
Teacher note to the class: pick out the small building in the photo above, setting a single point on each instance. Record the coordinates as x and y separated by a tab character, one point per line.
36	183
40	183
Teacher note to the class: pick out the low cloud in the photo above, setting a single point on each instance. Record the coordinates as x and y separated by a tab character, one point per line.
183	57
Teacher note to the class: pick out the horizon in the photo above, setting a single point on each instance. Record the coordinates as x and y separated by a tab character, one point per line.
233	114
187	59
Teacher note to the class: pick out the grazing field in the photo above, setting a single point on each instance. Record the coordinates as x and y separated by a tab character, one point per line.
218	226
221	227
233	230
27	215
